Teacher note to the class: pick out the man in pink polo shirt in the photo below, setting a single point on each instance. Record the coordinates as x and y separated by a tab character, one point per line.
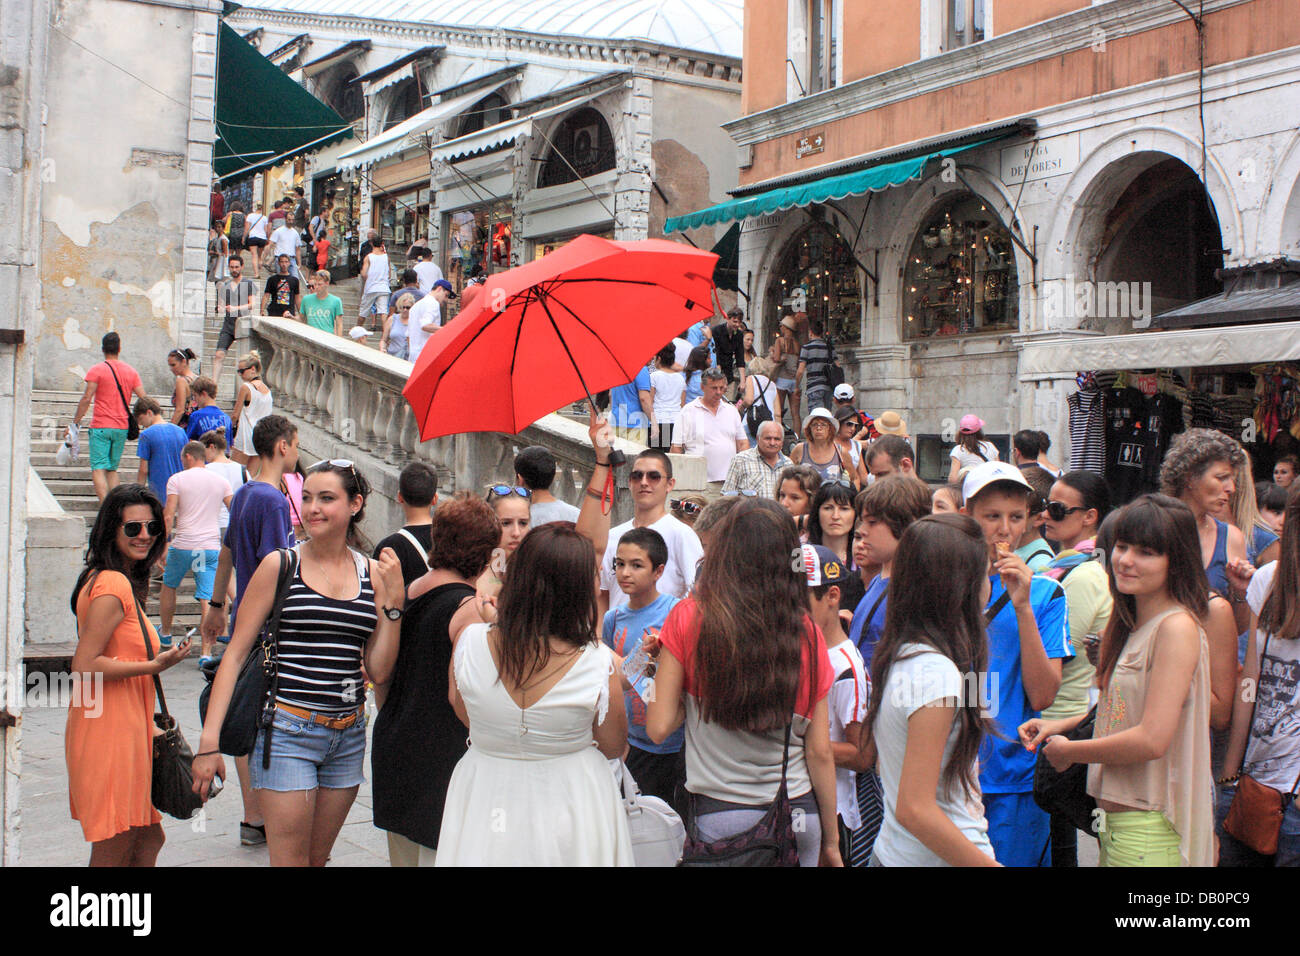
110	385
711	427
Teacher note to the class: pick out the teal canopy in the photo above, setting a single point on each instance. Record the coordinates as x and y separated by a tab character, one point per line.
262	116
872	179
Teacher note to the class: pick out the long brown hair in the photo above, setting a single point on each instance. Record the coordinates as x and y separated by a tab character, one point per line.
1167	526
1280	615
752	612
549	592
950	619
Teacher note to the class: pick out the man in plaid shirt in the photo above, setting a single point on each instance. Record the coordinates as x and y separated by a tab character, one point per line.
757	469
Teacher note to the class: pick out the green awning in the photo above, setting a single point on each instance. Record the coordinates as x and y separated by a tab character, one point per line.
253	94
872	179
726	274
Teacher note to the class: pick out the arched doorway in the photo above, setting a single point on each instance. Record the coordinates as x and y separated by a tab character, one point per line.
815	274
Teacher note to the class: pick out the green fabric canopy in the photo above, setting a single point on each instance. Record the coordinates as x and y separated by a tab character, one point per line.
872	179
263	117
726	274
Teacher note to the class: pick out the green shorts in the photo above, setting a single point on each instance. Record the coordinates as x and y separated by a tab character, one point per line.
106	445
1138	838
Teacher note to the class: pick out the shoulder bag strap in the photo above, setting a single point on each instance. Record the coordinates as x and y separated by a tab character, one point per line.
148	647
785	753
1253	704
120	394
997	607
270	638
424	555
875	607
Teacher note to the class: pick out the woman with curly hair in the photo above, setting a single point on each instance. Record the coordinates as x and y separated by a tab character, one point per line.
795	489
1199	470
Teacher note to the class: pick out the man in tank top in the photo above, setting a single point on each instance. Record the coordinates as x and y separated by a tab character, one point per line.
374	279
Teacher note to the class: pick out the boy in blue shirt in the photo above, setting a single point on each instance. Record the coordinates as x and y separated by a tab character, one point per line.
1028	638
207	415
659	769
159	447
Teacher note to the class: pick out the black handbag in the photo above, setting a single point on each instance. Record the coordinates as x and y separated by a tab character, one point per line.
769	842
172	790
1066	794
252	703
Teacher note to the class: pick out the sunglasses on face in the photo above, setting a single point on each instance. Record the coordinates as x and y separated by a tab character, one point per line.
503	491
687	507
654	477
153	528
1057	511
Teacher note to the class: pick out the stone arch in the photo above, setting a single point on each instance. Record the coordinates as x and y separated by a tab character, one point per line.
1279	221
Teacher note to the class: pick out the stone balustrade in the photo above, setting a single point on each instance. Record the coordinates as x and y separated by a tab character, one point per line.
346	399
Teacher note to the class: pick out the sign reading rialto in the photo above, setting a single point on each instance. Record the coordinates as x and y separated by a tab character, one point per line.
1049	157
809	144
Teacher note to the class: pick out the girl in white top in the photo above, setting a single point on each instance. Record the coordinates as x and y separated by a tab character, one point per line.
252	404
760	389
925	722
255	228
667	395
971	448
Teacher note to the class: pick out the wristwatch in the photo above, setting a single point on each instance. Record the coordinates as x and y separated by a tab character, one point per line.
394	613
219	605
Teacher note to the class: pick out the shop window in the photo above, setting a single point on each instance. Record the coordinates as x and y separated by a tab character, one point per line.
489	111
816	275
960	275
404	104
476	242
580	147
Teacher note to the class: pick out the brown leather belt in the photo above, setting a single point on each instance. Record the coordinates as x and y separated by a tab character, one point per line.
333	723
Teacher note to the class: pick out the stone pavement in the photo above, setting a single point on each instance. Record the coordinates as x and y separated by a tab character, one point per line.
50	837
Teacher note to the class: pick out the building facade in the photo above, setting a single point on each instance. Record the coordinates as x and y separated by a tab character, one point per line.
991	197
495	138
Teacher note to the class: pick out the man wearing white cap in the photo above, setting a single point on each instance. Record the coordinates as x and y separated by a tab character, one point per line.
843	397
1029	637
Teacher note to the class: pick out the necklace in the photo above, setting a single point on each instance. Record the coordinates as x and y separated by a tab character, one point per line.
333	589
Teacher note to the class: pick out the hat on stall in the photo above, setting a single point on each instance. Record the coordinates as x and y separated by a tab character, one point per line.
970	424
844	392
822	566
891	423
823	414
988	473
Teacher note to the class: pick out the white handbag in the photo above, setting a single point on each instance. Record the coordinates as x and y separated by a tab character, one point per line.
657	831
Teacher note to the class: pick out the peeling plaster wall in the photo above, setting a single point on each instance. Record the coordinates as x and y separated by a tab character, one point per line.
124	201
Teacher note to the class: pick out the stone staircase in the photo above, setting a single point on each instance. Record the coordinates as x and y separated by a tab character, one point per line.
71	486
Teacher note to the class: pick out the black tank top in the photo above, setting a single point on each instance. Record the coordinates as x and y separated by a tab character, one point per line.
418	738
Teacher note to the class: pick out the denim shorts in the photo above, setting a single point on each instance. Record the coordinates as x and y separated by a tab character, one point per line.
181	561
305	755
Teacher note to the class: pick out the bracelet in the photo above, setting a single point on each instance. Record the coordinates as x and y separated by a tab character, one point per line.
599	496
602	464
208	753
1227	780
219	605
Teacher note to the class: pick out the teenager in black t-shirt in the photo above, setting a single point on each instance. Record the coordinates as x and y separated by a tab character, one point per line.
417	493
282	295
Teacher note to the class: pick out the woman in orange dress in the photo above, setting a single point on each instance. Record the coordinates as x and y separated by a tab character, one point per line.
109	739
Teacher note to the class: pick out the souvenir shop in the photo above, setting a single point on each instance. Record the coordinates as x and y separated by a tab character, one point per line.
1121	422
344	198
816	276
476	241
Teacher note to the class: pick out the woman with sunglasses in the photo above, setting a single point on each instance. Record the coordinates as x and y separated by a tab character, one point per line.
339	606
178	360
511	504
396	334
819	450
831	522
109	738
253	402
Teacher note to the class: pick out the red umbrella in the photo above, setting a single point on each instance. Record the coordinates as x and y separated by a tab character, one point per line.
581	319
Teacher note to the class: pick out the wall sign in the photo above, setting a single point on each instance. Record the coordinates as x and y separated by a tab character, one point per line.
807	145
1050	157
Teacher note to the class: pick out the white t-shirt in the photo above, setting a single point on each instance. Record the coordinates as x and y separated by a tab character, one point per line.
1273	745
429	273
234	473
713	435
200	494
255	225
847	704
969	459
425	312
913	682
286	241
682	351
377	277
684	554
548	511
668	390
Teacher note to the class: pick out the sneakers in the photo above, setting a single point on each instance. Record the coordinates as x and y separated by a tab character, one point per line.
250	835
164	641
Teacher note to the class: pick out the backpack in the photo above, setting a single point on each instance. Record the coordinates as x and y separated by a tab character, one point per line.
235	228
756	414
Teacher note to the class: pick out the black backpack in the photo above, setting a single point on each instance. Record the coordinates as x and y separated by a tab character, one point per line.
758	413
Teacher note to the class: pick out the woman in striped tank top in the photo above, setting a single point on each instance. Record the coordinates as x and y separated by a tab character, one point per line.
339	604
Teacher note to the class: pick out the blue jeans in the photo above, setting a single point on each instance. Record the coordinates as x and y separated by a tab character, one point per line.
305	755
1232	852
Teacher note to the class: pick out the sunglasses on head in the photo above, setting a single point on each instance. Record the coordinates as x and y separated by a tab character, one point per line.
741	492
333	463
503	491
837	481
132	528
1057	511
651	476
687	507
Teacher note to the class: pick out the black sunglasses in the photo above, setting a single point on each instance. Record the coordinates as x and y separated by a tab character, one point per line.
687	507
1057	511
132	528
651	476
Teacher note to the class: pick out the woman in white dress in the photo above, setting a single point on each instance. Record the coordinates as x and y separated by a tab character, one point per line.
535	788
252	404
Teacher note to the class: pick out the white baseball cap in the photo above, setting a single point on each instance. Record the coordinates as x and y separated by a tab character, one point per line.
988	473
844	392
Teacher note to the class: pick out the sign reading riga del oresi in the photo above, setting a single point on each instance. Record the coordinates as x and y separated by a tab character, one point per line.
1049	157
